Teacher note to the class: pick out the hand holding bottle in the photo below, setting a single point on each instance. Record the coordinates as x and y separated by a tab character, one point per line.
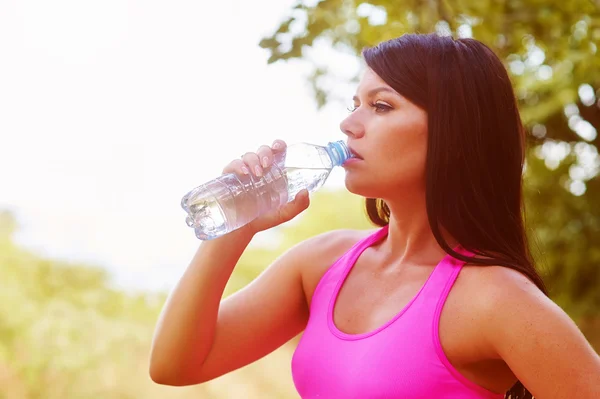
255	164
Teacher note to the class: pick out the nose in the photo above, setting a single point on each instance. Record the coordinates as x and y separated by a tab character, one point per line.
352	127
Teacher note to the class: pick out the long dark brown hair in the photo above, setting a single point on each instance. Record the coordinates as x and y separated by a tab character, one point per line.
475	150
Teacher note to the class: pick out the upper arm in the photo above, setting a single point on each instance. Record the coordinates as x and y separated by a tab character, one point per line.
267	313
540	343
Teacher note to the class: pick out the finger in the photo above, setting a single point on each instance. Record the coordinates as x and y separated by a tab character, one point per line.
300	202
302	198
253	163
236	166
278	145
293	208
265	155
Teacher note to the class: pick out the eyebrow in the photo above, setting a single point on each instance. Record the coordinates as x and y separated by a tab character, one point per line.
376	90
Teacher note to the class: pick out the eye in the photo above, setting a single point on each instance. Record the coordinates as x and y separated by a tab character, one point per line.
380	107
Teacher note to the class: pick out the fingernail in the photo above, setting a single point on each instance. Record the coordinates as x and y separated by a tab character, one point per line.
245	170
265	162
276	146
257	171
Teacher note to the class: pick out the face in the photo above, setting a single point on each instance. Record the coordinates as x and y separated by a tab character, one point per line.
389	133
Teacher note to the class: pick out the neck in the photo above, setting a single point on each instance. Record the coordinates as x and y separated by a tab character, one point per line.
410	240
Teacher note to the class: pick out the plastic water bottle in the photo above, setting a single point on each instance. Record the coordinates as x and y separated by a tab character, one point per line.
231	201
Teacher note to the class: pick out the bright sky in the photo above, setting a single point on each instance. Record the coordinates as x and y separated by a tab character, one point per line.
110	111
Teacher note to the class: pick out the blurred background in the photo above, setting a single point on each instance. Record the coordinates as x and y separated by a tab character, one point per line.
110	111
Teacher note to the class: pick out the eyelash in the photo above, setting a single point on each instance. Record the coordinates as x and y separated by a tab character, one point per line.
378	107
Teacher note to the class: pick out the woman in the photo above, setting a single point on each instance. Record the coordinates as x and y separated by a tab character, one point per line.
442	300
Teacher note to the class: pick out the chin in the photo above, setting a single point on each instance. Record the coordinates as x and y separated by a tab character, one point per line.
363	187
370	187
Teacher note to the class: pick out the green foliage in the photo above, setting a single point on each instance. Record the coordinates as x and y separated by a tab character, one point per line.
567	229
64	332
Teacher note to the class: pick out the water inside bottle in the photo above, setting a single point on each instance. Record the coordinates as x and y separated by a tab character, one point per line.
208	220
310	178
211	219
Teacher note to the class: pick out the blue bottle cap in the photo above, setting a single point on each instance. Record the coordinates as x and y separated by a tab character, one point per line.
339	152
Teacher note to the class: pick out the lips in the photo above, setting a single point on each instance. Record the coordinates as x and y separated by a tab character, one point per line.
354	153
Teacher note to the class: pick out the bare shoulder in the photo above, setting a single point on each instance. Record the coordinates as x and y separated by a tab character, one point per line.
321	251
499	283
503	292
498	286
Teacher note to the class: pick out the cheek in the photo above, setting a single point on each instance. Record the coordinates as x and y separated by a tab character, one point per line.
408	146
405	158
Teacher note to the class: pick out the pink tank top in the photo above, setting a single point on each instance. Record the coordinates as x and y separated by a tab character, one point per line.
401	359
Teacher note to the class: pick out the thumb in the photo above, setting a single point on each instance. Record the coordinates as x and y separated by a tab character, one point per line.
297	205
302	200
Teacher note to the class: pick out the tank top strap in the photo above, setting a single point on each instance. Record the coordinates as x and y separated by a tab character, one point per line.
354	252
440	282
347	260
338	270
